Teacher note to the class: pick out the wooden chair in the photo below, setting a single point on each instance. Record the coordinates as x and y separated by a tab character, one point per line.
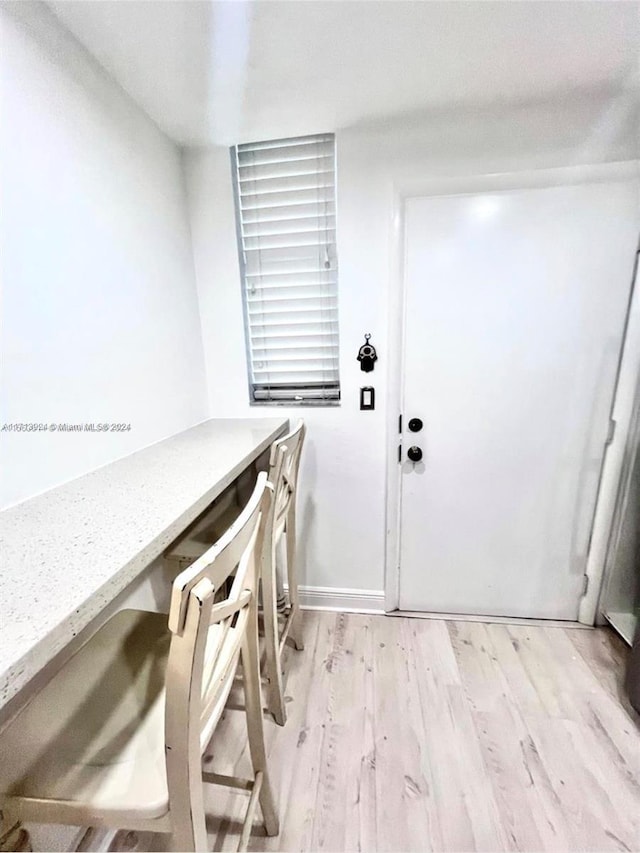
284	464
116	738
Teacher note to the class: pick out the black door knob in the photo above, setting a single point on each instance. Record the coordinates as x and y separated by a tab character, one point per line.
415	425
414	453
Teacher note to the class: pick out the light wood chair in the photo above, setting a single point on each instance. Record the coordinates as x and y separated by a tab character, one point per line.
116	738
281	611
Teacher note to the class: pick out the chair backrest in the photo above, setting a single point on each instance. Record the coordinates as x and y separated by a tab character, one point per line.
207	636
284	464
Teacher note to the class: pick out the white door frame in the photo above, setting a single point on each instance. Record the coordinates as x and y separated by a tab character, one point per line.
467	185
612	468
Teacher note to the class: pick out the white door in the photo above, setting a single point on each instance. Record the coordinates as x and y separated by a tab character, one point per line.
515	305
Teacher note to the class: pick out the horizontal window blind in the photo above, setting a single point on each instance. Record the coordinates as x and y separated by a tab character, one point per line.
286	208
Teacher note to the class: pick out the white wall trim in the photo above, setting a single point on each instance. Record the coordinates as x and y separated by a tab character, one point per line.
341	599
490	620
395	336
447	186
622	408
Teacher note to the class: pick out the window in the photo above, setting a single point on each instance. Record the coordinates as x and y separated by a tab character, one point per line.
286	214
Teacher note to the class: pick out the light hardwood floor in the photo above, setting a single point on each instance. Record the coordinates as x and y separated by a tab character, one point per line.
409	734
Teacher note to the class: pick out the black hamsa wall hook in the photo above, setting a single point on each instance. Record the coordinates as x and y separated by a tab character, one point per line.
367	355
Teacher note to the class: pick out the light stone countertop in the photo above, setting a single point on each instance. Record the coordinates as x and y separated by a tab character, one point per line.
69	552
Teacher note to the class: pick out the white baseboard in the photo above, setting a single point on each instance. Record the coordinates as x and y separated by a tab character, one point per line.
489	620
341	599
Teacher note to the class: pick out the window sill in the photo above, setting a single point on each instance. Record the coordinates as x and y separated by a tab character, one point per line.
297	404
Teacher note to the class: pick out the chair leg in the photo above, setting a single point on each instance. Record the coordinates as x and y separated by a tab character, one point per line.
184	777
275	688
189	826
255	722
295	631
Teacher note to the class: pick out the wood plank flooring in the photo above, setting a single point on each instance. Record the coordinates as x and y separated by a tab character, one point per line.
409	734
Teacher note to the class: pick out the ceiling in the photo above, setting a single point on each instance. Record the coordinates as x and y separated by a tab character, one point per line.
226	72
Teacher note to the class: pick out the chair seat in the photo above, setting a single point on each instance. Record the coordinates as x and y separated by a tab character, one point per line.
94	736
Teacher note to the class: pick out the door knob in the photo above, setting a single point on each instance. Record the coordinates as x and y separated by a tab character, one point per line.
415	425
414	453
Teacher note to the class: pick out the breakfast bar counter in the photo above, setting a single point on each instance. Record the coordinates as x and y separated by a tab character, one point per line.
67	553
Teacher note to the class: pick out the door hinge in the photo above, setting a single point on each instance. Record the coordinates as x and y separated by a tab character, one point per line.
610	432
400	423
399	453
585	584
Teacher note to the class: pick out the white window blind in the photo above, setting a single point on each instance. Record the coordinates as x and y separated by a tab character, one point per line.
285	197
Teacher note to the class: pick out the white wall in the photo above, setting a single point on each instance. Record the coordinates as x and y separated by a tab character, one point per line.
344	457
100	314
342	501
